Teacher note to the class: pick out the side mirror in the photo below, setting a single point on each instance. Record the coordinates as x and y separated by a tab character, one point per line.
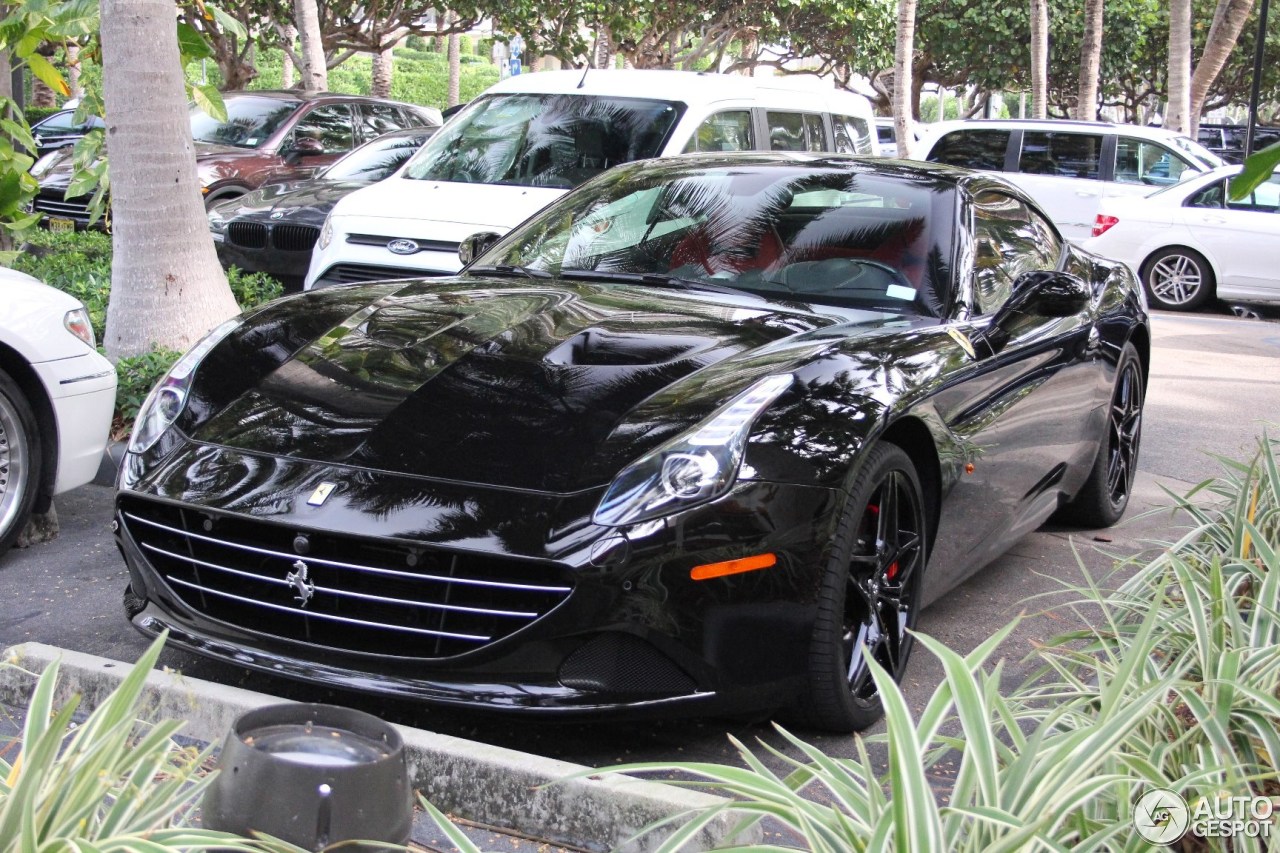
303	146
1039	293
476	245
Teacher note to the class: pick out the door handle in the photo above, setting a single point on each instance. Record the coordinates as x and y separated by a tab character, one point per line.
1217	220
1086	194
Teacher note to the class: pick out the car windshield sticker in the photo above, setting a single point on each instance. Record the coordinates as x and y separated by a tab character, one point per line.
964	342
897	291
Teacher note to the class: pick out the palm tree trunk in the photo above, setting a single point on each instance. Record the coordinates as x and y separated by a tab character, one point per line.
1039	58
166	285
455	66
73	69
903	56
1228	21
1090	62
1177	116
383	68
315	73
286	70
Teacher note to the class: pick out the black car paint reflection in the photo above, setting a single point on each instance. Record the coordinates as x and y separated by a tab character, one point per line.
471	426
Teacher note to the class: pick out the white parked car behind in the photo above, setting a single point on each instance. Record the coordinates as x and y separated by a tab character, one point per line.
1189	243
57	395
1068	166
531	138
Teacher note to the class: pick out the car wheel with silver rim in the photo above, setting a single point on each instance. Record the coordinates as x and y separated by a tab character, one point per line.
1178	279
19	461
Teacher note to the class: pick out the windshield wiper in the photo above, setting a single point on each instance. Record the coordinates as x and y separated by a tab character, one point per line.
653	279
512	270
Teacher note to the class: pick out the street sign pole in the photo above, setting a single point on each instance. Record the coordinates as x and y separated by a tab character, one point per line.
1257	77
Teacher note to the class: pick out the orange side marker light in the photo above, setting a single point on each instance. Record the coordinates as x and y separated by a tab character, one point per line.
968	467
733	567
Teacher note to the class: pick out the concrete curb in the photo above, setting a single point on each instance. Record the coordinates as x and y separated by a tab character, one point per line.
476	781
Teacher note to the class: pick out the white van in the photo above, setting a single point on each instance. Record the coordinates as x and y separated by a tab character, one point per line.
1069	166
531	138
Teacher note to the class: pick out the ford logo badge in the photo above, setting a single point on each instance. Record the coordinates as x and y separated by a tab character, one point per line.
403	247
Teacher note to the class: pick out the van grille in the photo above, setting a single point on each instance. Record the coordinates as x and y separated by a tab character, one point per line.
345	592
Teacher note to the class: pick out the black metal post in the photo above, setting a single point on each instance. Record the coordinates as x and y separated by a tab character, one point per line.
1257	77
19	88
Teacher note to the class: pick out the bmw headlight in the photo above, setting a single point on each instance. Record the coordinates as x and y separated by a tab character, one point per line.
696	466
326	232
167	399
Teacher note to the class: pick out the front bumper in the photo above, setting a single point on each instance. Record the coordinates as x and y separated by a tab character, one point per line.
634	634
83	393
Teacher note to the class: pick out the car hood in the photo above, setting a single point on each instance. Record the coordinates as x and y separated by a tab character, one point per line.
211	150
406	207
305	202
547	386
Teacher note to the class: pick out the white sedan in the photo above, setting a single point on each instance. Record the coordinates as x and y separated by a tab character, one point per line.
1189	243
57	395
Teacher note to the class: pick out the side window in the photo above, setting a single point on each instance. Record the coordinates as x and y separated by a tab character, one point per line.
973	149
1141	162
1211	196
795	132
853	135
1264	199
330	124
377	119
1067	155
1009	239
727	131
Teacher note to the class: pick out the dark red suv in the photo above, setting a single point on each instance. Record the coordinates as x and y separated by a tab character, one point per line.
268	137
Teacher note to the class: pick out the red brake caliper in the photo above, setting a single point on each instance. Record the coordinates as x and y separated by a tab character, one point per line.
892	571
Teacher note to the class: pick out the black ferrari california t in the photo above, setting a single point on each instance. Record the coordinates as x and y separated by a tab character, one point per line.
705	434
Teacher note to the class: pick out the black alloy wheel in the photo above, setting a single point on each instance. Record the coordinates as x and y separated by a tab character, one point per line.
1105	495
871	594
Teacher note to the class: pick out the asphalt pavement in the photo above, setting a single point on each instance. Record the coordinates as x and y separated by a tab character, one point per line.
1215	384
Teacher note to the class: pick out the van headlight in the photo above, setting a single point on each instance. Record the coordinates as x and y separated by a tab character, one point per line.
326	232
167	400
696	466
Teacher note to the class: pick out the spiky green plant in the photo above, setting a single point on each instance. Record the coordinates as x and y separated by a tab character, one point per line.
108	784
1175	684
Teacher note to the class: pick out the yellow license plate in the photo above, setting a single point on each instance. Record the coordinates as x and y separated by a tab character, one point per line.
57	225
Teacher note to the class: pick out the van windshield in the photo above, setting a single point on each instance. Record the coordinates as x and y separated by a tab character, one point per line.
537	140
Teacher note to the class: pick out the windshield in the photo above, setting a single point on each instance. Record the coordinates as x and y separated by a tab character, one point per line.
544	140
377	159
826	236
1203	155
250	121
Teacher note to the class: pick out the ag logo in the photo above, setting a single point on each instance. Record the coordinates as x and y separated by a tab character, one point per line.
403	247
1161	816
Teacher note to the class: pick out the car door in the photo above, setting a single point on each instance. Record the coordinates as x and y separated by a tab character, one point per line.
1062	171
332	126
1027	416
1241	238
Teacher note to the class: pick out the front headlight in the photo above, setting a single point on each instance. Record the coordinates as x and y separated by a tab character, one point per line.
45	163
696	466
167	399
326	232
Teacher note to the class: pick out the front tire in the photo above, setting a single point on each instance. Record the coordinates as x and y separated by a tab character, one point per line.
19	461
1178	279
870	594
1105	495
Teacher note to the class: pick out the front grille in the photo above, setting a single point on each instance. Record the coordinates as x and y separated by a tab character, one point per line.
294	238
53	204
365	595
357	273
247	235
423	245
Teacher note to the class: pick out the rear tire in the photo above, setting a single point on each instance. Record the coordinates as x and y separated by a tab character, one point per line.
870	594
1178	279
19	461
1105	495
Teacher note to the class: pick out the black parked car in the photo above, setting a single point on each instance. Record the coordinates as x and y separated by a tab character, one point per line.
1227	140
700	436
273	229
59	130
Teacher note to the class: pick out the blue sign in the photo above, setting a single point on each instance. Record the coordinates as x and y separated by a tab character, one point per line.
515	67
